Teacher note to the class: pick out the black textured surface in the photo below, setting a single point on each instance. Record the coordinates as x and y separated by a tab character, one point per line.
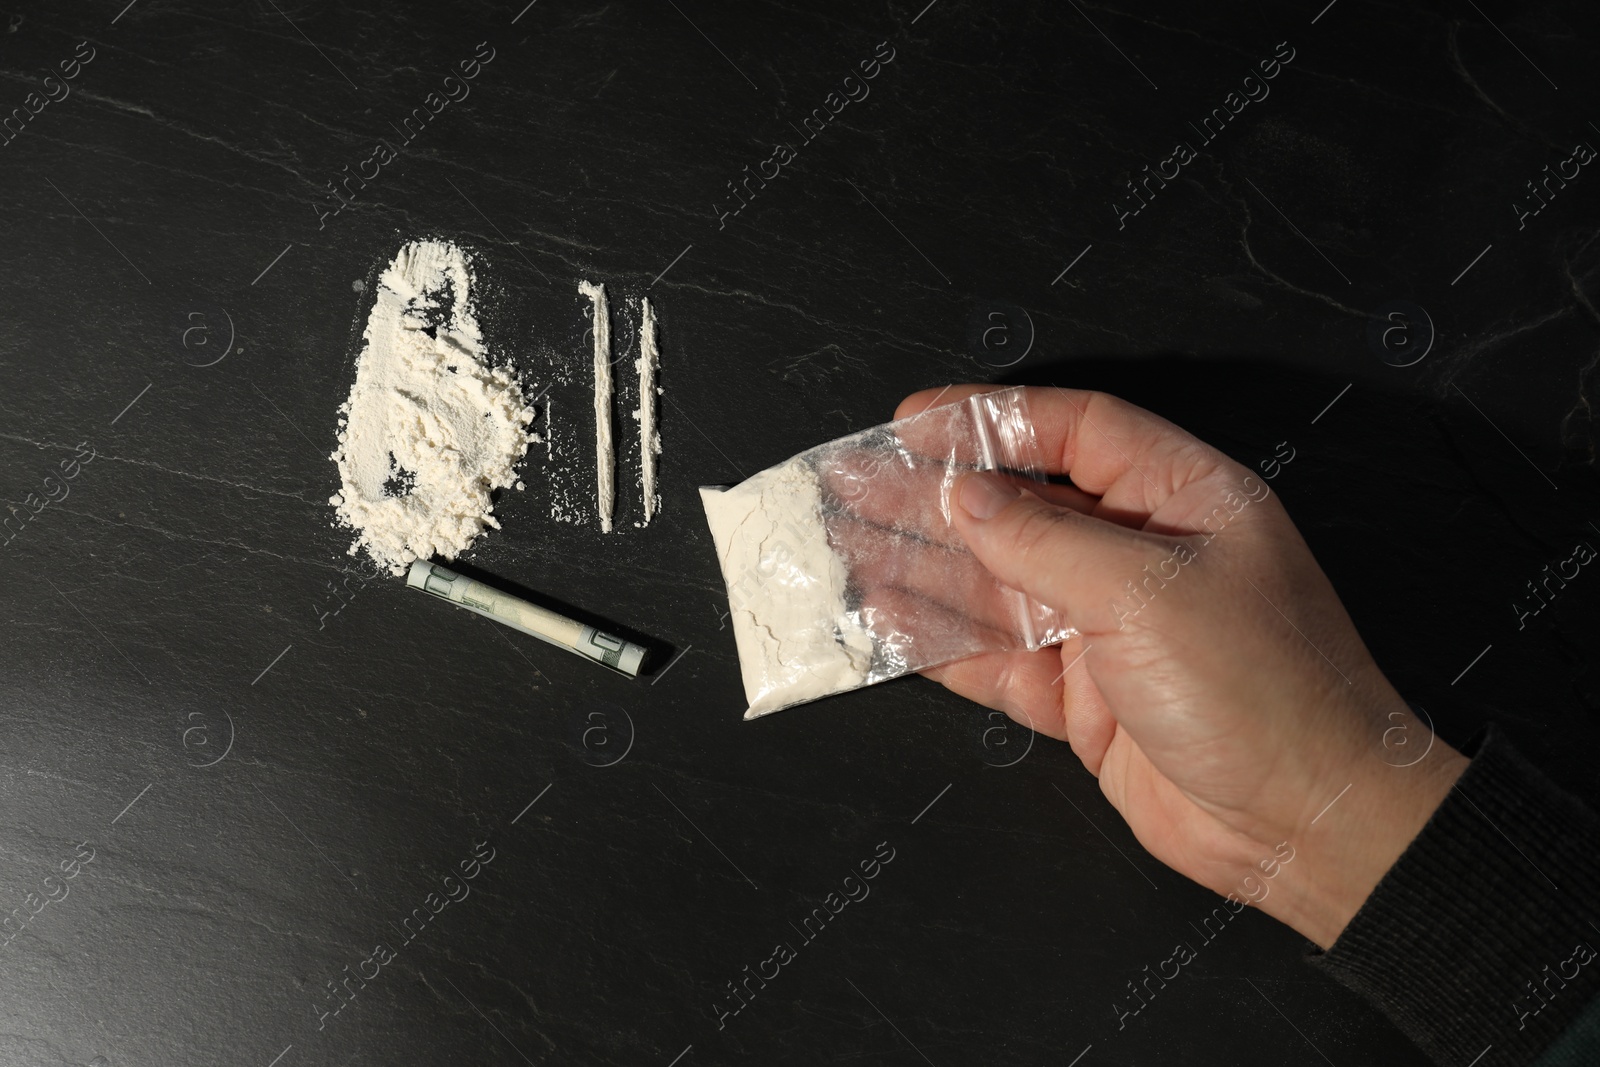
255	832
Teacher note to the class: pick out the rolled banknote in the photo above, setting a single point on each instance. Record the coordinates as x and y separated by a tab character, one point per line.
622	656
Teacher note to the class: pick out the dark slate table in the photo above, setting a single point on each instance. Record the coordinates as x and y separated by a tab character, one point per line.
275	766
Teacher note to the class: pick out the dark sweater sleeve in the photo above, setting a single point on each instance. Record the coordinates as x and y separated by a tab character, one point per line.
1477	942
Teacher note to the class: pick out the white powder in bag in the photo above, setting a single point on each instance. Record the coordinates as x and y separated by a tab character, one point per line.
429	429
786	590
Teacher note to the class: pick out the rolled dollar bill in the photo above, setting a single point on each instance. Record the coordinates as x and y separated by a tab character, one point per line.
622	656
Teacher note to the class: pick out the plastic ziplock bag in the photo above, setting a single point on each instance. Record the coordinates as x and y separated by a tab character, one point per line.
843	568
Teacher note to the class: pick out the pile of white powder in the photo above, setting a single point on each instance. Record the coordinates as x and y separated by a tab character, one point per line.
429	429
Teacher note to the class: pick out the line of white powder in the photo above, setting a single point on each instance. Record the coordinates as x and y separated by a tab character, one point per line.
604	454
649	440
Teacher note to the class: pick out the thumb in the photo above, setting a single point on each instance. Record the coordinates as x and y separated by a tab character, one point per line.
1069	561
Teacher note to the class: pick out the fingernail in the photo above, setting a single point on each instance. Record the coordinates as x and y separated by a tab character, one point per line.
983	495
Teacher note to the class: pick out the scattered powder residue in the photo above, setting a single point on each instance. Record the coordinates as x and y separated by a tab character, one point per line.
567	462
604	451
429	429
786	590
649	438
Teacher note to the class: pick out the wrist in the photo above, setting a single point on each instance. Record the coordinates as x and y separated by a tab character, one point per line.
1347	847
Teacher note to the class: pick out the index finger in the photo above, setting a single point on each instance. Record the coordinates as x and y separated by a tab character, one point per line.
1096	439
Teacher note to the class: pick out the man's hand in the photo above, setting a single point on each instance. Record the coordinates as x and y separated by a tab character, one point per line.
1217	687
